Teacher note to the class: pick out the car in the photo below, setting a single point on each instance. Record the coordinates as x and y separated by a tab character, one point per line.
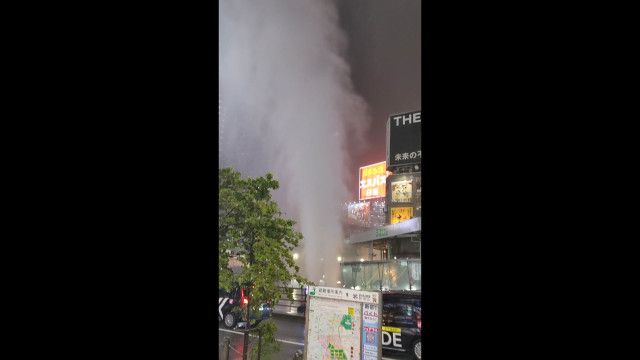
231	304
402	322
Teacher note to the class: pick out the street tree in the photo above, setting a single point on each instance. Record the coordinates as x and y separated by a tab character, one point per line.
252	229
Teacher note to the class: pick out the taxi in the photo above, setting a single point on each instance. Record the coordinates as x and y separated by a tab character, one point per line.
402	322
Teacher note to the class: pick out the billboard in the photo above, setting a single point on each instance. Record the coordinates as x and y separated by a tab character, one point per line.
372	181
401	191
399	214
404	139
343	324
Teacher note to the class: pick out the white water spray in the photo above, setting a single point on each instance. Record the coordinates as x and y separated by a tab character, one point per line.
287	106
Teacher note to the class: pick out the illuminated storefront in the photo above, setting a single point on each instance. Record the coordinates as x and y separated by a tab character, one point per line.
387	255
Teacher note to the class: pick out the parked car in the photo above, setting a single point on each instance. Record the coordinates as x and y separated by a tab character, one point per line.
231	304
402	322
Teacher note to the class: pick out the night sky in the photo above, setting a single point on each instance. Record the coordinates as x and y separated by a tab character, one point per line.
384	54
306	88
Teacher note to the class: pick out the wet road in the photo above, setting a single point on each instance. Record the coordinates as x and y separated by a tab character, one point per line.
290	335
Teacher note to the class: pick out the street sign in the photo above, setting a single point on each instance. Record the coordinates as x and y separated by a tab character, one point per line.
343	324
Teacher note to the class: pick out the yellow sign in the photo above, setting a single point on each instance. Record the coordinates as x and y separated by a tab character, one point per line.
401	191
401	214
373	181
350	310
391	329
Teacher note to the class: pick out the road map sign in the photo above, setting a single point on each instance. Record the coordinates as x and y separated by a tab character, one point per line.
342	324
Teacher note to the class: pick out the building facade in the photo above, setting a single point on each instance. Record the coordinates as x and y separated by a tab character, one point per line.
387	256
380	256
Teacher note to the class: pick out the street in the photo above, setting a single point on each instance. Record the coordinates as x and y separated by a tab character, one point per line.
290	335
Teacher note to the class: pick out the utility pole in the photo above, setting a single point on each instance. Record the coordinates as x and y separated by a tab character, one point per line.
245	347
409	271
225	348
259	342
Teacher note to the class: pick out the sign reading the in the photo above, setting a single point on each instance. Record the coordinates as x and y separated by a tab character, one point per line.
404	141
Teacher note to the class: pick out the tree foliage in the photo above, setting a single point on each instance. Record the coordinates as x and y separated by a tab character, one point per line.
252	228
268	343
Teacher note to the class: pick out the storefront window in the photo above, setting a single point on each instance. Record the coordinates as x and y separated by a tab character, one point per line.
404	248
385	275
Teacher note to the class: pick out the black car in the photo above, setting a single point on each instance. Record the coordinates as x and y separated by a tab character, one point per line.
231	304
402	322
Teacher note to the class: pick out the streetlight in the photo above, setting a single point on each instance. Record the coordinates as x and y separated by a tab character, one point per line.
295	256
339	258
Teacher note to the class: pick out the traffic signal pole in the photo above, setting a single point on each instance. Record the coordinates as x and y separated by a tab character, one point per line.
245	347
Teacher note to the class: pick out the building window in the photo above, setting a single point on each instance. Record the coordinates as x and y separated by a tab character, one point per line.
404	248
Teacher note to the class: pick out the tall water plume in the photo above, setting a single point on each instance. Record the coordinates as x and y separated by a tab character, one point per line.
287	105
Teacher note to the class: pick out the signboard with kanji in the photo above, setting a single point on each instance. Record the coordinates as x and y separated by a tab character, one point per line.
372	181
343	324
404	139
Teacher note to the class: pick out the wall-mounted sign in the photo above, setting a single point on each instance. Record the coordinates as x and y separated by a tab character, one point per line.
401	191
404	139
399	214
382	232
370	331
372	181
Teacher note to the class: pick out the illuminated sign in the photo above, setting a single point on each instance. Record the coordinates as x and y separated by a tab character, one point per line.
373	180
382	232
401	214
401	191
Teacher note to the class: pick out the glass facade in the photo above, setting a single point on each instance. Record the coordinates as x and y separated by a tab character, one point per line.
396	248
382	275
384	238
